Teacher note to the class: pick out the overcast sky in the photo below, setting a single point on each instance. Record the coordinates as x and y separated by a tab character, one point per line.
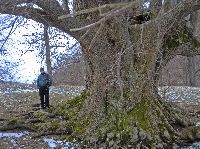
30	62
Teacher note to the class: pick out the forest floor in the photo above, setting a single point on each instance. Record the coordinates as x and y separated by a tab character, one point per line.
19	107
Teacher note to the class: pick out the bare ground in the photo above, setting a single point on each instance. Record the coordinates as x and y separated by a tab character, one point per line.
20	112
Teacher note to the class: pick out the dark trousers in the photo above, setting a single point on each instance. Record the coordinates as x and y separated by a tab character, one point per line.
44	97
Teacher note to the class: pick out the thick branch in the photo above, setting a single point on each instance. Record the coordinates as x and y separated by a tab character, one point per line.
99	8
66	7
107	15
180	41
177	14
49	6
46	13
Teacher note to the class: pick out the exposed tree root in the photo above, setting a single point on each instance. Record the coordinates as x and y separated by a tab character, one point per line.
17	127
53	133
151	123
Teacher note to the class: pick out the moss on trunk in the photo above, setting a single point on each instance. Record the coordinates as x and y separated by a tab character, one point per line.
147	124
122	107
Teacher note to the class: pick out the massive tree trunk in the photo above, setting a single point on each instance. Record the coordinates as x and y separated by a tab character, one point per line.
123	66
121	93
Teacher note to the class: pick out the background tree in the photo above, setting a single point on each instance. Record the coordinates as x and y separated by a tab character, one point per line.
123	59
7	71
52	44
8	25
47	50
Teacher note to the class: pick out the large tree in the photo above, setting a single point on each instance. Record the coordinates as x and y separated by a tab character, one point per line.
124	54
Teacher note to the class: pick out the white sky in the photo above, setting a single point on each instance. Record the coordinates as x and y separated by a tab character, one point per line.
29	69
30	62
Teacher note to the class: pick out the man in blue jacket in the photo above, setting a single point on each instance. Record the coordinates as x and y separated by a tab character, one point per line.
44	80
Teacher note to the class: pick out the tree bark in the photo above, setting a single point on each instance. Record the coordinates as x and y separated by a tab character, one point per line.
123	67
47	50
191	71
122	84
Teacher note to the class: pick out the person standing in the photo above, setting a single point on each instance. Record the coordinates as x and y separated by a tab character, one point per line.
44	81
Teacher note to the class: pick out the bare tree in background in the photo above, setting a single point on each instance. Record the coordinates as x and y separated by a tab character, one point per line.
8	26
124	52
7	71
48	40
47	50
191	71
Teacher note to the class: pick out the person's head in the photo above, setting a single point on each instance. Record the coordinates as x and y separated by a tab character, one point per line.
41	69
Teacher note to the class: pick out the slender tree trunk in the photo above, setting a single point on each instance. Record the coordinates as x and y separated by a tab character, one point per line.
48	50
66	7
191	71
169	4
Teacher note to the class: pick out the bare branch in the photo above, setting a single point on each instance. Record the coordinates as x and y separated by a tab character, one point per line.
177	13
49	6
107	16
10	32
46	13
106	6
66	7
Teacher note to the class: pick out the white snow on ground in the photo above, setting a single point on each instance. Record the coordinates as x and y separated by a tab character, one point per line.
193	146
68	91
64	145
12	136
198	124
170	93
180	93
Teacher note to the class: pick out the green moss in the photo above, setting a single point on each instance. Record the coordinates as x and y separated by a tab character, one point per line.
122	123
195	42
78	127
193	129
178	38
77	101
71	109
116	95
118	122
39	114
63	138
140	114
190	133
61	110
15	121
54	125
124	137
12	121
40	127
